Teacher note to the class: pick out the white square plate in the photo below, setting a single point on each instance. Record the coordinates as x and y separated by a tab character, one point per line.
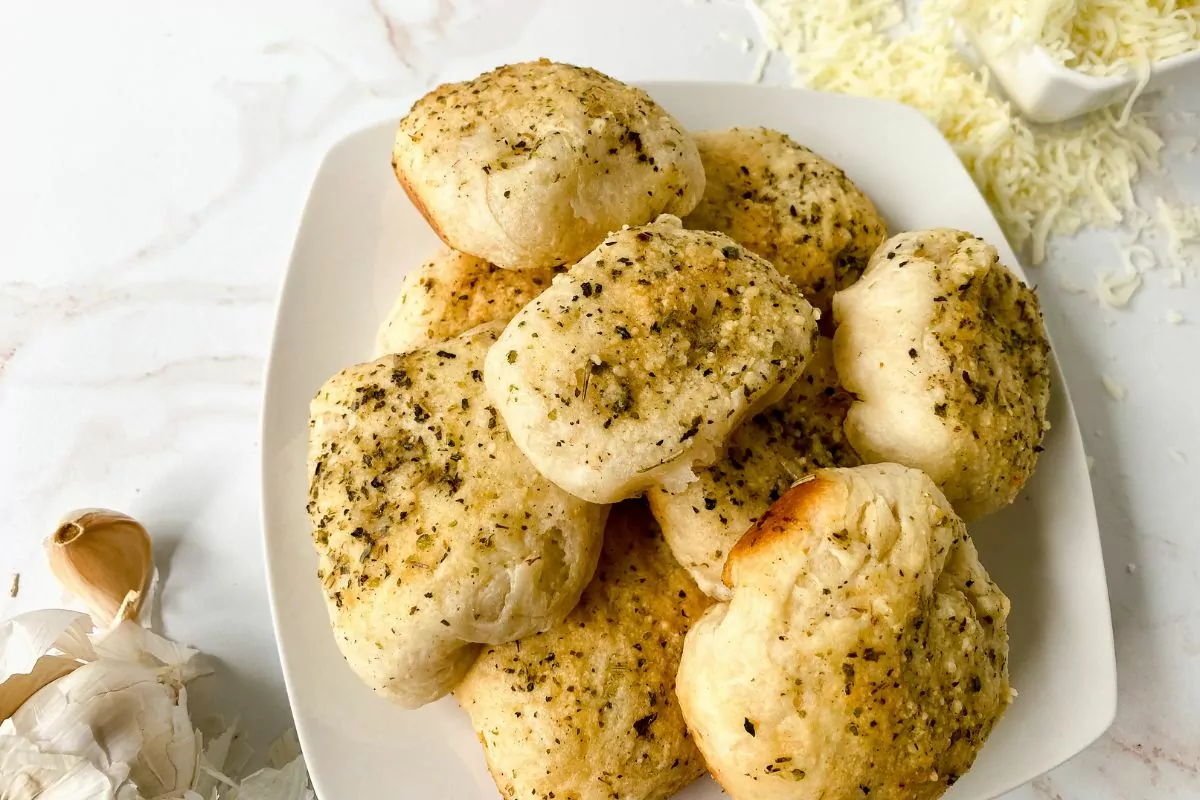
359	236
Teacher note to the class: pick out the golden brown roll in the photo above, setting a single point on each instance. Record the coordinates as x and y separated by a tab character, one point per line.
946	353
587	710
434	532
864	651
788	205
532	164
764	457
451	293
641	360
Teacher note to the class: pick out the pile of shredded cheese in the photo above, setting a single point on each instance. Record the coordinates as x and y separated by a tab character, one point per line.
1038	180
1099	37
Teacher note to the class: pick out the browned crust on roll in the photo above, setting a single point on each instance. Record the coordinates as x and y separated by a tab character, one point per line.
415	197
791	511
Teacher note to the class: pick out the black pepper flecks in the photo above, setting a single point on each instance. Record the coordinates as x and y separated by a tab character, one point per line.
993	376
603	681
412	475
785	203
452	293
917	687
662	354
528	113
765	456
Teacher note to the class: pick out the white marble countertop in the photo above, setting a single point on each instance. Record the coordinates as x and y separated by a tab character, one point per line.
154	159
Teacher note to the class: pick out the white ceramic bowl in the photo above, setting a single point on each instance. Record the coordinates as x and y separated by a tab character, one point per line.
1046	91
358	237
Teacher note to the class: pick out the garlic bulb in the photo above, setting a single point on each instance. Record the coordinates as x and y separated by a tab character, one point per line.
103	556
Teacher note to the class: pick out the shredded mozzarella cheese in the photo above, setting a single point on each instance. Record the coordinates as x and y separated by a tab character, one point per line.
1098	37
1115	291
1181	225
1038	180
1138	258
1115	390
760	66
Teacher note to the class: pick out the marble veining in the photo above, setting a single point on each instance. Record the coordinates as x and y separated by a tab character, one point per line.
156	160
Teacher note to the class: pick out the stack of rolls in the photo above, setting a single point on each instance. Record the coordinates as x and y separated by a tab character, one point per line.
663	462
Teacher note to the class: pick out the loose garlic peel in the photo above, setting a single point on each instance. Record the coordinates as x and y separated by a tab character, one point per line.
103	556
19	688
116	724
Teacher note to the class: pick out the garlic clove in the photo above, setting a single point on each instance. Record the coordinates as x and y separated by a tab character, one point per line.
22	686
104	558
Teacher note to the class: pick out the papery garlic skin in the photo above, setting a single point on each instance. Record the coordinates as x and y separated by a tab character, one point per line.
101	556
19	688
117	726
27	662
124	713
26	773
